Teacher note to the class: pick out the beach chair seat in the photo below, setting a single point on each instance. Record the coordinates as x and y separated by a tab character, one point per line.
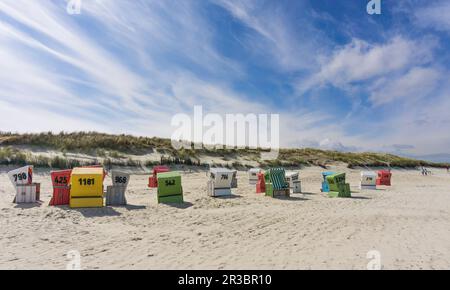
338	187
276	184
27	193
115	195
170	189
61	196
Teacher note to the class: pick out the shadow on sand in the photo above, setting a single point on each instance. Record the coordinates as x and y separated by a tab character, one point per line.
96	212
233	196
184	205
131	207
291	198
28	205
361	197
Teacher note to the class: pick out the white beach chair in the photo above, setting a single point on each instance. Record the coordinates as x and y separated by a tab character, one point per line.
220	181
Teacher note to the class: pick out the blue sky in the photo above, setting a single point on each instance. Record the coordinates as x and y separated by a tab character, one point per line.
339	78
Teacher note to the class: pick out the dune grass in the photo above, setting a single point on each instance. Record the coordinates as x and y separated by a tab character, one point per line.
113	150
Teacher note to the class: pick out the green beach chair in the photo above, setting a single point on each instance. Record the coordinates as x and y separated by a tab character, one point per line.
169	188
276	184
338	187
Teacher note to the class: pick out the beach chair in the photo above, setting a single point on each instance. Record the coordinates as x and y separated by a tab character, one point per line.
115	194
61	187
276	184
325	185
368	180
26	190
384	178
153	180
261	184
338	187
170	189
86	187
253	176
220	182
293	180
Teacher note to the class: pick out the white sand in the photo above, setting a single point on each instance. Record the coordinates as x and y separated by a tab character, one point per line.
408	223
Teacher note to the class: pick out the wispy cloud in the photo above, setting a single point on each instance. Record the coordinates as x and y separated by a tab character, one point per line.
362	61
129	66
434	15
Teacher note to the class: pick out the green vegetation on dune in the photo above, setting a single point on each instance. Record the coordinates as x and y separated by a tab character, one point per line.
86	142
113	150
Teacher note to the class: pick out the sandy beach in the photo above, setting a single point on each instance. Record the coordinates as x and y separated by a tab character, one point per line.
408	223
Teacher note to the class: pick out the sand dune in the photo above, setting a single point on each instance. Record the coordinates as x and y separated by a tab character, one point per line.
408	223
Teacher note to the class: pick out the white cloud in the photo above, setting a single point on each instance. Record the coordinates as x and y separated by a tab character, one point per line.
361	61
417	83
279	42
140	62
435	15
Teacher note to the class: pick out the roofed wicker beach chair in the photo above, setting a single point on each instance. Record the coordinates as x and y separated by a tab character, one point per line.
276	184
115	194
170	189
338	187
384	177
325	185
368	180
220	182
253	175
26	190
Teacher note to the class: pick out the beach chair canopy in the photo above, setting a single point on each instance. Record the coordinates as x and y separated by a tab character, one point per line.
253	175
61	178
222	177
292	175
368	173
384	174
368	178
160	169
120	178
255	171
21	176
97	166
337	186
87	182
277	177
327	173
336	181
